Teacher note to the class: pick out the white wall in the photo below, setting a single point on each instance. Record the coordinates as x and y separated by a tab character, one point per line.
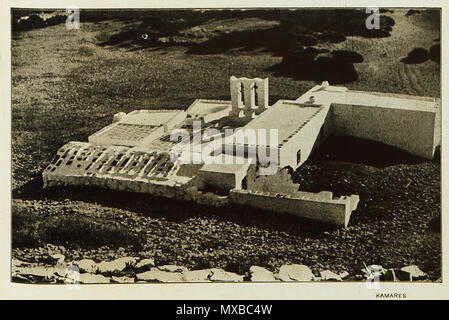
410	130
304	139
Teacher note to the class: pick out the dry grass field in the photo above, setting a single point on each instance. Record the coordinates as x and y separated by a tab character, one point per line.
67	84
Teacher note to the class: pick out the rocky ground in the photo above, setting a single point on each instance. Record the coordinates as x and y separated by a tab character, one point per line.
50	266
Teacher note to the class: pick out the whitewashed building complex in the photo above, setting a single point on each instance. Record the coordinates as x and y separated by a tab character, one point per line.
141	151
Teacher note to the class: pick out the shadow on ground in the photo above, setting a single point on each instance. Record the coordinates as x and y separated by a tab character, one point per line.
169	209
363	151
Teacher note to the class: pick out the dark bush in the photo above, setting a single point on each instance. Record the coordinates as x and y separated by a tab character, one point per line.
299	56
307	39
275	40
32	22
417	55
312	64
55	20
332	37
435	53
347	56
411	12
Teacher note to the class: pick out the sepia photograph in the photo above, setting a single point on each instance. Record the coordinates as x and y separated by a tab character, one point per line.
259	145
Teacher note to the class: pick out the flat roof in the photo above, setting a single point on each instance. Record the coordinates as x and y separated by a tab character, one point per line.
149	117
203	107
286	116
374	99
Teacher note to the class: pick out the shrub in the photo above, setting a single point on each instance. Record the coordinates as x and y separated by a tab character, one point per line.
435	53
299	57
307	39
417	55
347	56
332	37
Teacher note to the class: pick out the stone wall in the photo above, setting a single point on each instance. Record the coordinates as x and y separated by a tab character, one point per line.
280	182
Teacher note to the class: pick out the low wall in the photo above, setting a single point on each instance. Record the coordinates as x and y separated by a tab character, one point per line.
315	207
187	192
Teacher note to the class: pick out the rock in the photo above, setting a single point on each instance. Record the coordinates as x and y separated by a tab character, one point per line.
117	265
144	264
156	275
39	273
18	263
376	272
344	274
414	272
261	274
19	278
197	275
58	258
295	272
328	275
220	275
374	268
86	265
123	279
93	278
172	268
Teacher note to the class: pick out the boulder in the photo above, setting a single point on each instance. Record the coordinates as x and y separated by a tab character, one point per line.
172	268
156	275
197	275
93	278
296	272
39	273
414	272
86	265
374	271
123	279
260	274
58	259
145	264
19	263
117	265
328	275
219	275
